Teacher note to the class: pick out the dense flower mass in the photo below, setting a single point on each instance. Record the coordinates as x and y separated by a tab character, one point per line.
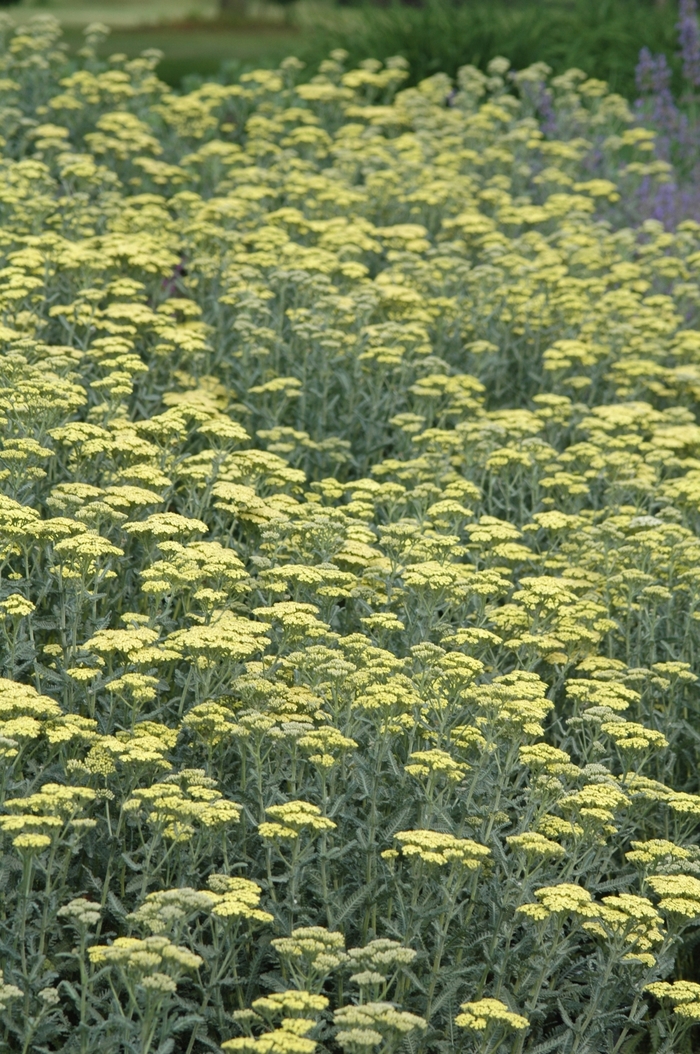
350	602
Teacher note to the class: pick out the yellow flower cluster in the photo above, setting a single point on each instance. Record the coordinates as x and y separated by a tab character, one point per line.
289	1039
479	1015
438	849
315	947
155	963
680	894
176	804
684	997
226	898
7	993
562	899
290	819
34	821
366	1026
535	844
435	763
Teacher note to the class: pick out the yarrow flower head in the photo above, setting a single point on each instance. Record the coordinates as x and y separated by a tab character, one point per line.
8	992
679	894
291	819
478	1016
533	844
312	949
563	899
182	801
148	960
359	1026
684	997
439	849
81	912
432	763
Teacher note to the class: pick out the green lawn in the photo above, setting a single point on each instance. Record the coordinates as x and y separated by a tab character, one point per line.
187	31
116	12
200	49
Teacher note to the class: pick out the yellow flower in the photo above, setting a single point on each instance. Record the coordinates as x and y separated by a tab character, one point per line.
428	763
181	801
279	1041
17	606
656	850
362	1027
684	996
291	1003
166	525
531	843
290	819
479	1015
312	950
564	898
438	849
237	898
680	894
143	957
31	840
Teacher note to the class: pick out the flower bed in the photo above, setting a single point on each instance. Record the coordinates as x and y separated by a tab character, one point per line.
349	528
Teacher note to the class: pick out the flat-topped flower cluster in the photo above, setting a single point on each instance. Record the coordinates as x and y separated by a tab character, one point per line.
349	596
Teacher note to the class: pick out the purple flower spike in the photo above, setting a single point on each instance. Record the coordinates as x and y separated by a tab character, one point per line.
656	103
689	40
653	74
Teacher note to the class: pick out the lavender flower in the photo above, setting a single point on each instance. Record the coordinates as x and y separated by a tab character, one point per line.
677	138
653	74
689	41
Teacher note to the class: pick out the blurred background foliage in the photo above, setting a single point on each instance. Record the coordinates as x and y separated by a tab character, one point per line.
208	38
602	37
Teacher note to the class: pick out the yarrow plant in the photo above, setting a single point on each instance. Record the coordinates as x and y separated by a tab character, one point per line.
349	590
